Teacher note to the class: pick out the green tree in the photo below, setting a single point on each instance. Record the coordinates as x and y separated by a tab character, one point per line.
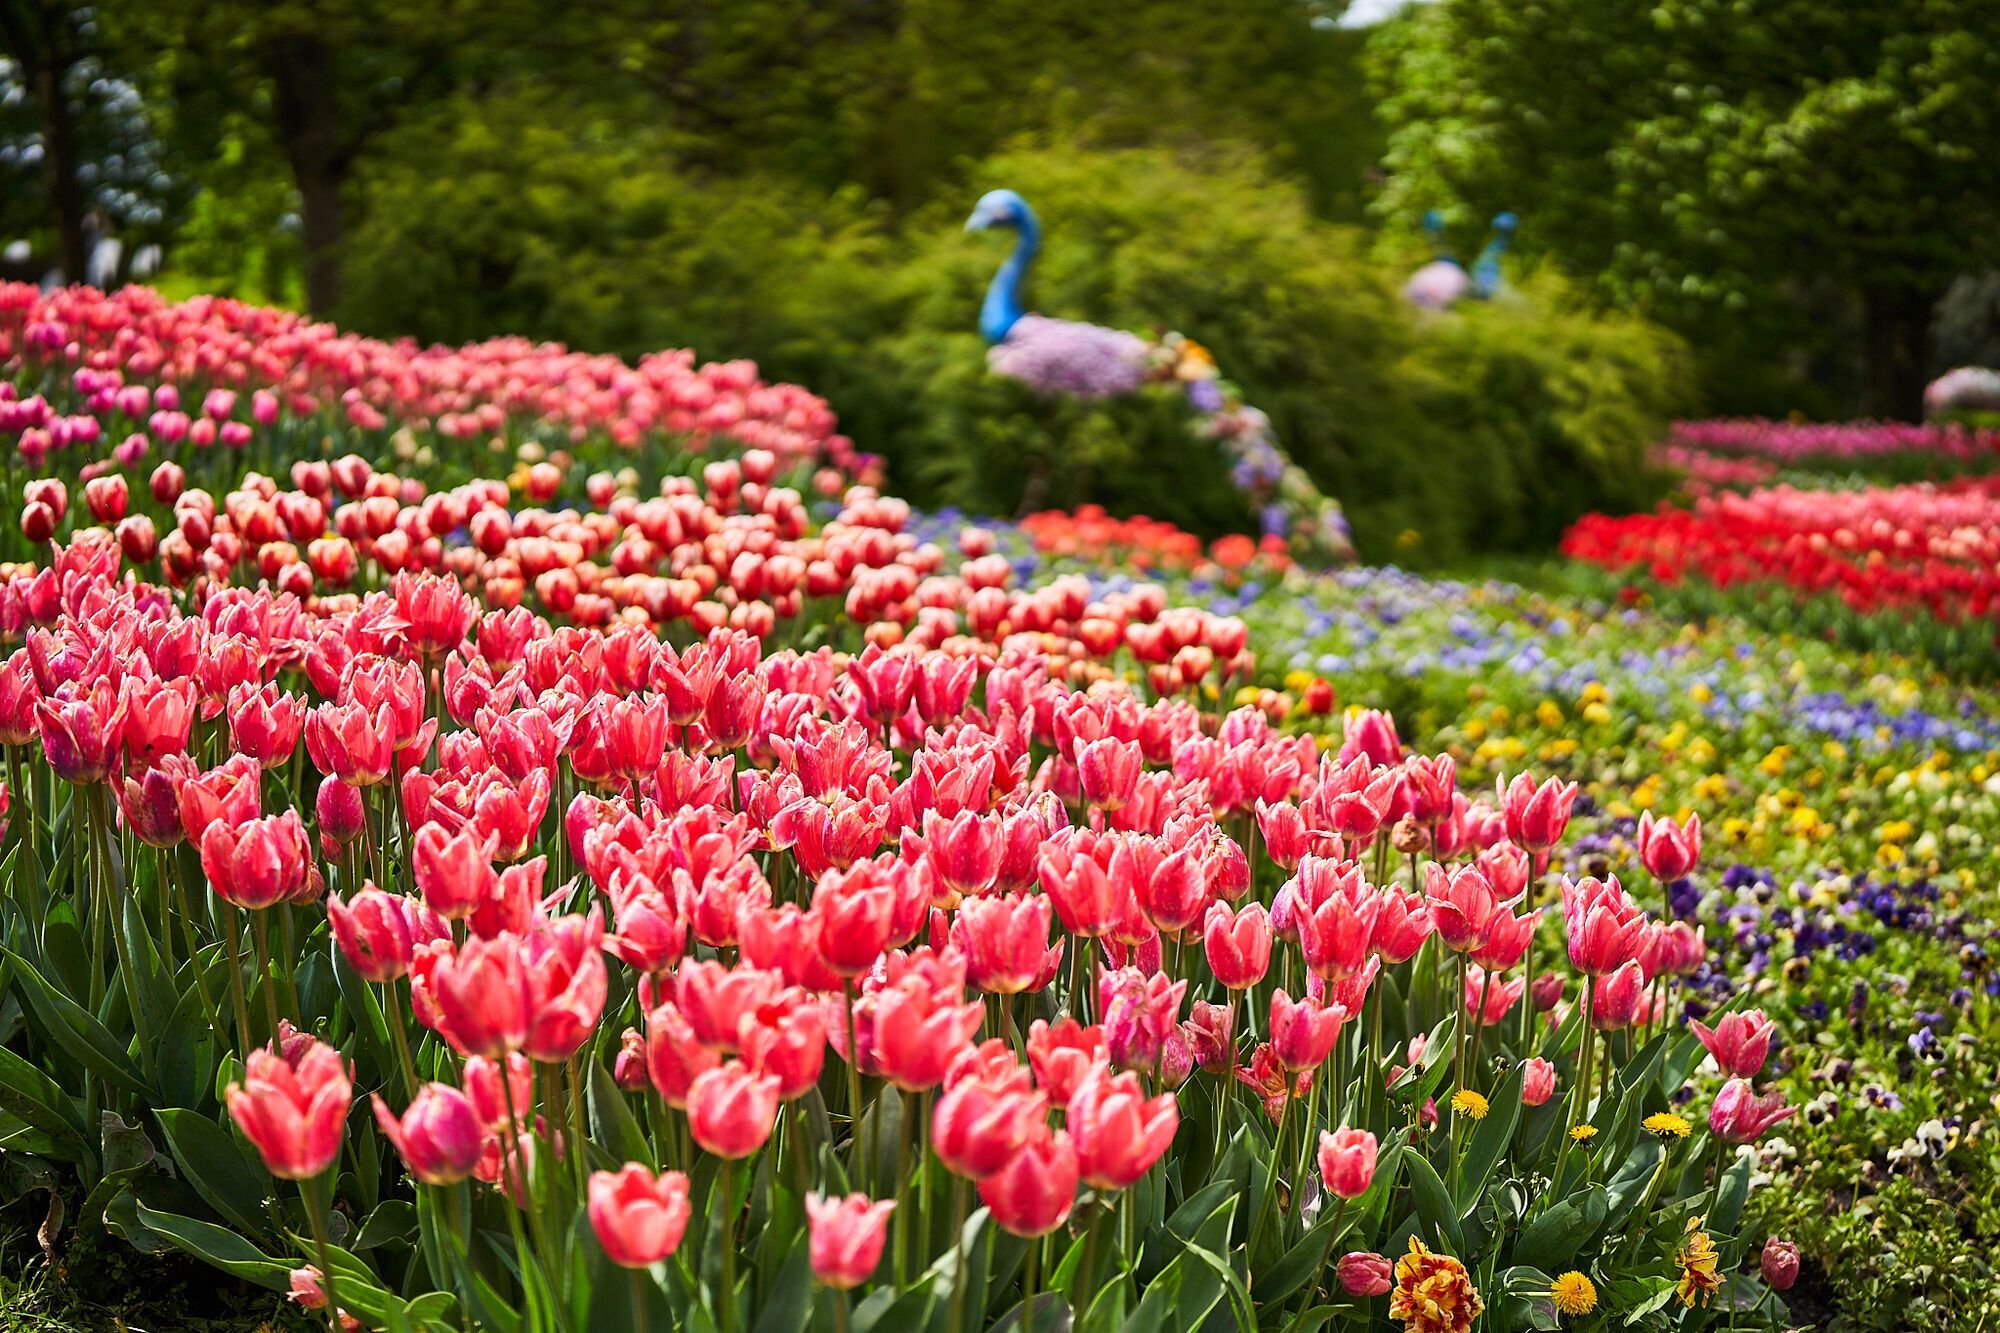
1691	156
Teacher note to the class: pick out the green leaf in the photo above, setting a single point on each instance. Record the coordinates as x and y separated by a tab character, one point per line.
394	1222
611	1120
65	1023
221	1247
1433	1202
1489	1141
789	1307
227	1177
894	1311
33	1098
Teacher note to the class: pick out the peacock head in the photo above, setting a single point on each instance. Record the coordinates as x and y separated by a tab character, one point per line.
1000	208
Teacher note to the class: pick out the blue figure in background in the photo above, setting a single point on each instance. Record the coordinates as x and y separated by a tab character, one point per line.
1443	283
1079	360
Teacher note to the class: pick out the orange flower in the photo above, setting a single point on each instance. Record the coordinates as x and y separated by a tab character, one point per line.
1433	1293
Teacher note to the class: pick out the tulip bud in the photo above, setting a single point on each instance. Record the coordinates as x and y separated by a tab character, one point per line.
439	1137
167	482
1780	1263
38	522
1347	1162
1538	1081
1365	1274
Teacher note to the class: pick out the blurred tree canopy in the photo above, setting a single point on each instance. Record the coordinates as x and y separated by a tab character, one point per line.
1788	187
1742	169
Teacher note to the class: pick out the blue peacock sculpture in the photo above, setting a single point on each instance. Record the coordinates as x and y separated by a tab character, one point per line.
1067	357
1443	283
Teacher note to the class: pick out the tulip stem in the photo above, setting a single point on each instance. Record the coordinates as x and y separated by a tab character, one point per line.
637	1280
232	933
393	1004
1325	1255
37	908
958	1250
309	1188
839	1311
169	860
1270	1182
726	1237
903	1173
1306	1140
260	923
107	886
1028	1286
857	1146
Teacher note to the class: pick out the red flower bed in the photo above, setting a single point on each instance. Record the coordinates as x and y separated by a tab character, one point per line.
1934	548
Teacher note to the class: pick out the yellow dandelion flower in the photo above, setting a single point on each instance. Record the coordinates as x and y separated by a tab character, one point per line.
1666	1125
1574	1293
1466	1102
1583	1134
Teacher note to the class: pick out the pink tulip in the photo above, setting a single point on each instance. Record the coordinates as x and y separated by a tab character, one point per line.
847	1235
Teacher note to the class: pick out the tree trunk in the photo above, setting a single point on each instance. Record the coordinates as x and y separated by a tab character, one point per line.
1897	329
42	37
320	152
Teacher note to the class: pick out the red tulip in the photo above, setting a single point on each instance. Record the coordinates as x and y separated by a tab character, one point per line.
150	808
857	911
1087	900
258	864
918	1031
1669	850
1780	1263
1108	771
674	1056
1616	999
1740	1042
1538	1081
639	1218
1006	942
1739	1115
1536	816
1347	1162
482	996
224	795
731	1111
1371	734
566	985
1303	1032
294	1112
978	1126
1463	904
1033	1194
374	933
1605	927
846	1237
439	1136
1119	1133
1238	945
453	871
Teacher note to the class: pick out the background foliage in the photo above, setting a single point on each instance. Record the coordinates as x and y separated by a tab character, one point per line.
1789	192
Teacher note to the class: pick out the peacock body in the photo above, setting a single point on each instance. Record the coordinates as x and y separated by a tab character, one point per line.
1080	360
1443	283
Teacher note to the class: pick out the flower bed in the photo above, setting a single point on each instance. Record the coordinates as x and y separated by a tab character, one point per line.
1913	566
754	917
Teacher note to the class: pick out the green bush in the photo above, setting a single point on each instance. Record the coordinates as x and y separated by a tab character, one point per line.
1488	429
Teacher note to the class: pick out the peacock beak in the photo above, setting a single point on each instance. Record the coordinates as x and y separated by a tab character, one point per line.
979	221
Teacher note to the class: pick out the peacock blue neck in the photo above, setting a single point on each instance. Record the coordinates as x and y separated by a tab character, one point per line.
1002	308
